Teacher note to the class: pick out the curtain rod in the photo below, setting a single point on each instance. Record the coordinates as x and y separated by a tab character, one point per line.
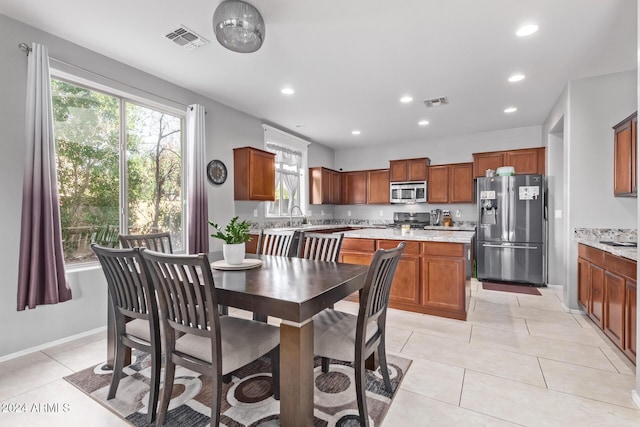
27	49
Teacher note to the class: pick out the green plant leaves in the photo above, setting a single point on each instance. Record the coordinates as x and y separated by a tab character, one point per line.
235	232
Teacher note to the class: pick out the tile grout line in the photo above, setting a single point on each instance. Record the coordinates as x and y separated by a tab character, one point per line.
464	374
610	361
542	372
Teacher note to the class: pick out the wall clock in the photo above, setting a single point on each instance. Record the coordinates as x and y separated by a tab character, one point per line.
216	172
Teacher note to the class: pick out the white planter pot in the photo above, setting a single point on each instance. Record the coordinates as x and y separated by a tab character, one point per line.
233	253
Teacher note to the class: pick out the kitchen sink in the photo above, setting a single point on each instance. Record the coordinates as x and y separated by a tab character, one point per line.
620	244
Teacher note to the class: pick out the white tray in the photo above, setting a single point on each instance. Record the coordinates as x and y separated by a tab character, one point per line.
247	263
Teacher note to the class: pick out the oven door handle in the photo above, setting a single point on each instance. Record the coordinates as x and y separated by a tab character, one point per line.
486	245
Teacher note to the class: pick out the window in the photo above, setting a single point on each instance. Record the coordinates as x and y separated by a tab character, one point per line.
291	166
119	169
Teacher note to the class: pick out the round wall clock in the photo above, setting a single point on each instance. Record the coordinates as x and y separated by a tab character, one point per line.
216	172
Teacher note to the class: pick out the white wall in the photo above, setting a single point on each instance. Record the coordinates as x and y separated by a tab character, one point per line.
225	128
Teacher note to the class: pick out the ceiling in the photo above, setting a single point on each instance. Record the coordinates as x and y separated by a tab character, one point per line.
350	61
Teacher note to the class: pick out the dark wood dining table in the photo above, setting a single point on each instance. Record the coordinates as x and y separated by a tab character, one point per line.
293	290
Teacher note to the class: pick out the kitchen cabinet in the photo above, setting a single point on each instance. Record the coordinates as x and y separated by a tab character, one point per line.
406	282
625	173
408	169
378	186
254	173
607	293
354	188
451	183
524	161
251	247
443	276
357	251
324	186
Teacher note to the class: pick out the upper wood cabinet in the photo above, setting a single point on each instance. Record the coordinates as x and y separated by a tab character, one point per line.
354	188
254	174
408	169
524	161
324	186
450	183
625	174
378	186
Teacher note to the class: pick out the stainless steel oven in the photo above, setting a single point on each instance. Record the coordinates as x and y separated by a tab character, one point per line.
408	192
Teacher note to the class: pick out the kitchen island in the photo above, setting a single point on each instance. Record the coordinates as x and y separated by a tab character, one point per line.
433	276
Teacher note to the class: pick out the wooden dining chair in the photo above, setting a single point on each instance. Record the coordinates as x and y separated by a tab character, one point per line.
320	246
135	312
343	336
195	335
275	242
160	242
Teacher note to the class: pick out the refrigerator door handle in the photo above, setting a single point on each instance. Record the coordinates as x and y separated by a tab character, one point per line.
487	245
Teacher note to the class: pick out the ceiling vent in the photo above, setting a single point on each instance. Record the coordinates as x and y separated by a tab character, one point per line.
436	102
186	38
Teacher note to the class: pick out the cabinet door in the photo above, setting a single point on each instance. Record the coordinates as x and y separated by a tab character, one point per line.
584	288
596	278
378	186
417	169
523	161
354	188
398	170
630	319
461	183
443	283
326	186
438	182
315	186
614	287
622	160
336	188
263	176
405	286
484	161
634	155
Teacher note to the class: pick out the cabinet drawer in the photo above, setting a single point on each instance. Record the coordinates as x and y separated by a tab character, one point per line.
621	266
593	255
443	249
411	248
359	244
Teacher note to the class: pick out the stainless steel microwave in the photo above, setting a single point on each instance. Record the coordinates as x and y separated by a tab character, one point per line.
408	192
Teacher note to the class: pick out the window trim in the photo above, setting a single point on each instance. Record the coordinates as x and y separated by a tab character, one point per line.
287	140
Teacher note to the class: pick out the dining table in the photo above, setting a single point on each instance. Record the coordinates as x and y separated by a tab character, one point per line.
293	290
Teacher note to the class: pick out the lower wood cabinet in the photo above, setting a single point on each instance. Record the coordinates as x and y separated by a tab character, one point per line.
431	277
607	293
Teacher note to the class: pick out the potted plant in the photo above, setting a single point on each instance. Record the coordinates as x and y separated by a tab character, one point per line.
234	235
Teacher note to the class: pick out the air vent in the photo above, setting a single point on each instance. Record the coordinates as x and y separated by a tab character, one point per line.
186	38
436	102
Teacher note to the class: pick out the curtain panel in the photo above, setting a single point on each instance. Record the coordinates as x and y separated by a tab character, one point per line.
41	275
197	205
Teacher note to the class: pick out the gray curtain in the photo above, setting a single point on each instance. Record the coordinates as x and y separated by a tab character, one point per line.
197	209
41	275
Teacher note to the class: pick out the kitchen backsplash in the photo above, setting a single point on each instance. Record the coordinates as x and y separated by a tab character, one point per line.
613	234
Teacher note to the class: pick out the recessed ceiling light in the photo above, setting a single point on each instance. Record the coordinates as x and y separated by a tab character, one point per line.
287	91
510	110
406	99
516	78
423	122
526	30
355	132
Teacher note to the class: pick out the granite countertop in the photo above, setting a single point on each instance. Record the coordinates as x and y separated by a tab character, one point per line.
319	227
449	236
463	227
629	253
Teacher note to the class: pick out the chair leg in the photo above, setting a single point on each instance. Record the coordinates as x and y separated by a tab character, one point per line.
275	372
169	373
118	365
156	363
226	378
216	385
361	387
384	370
325	364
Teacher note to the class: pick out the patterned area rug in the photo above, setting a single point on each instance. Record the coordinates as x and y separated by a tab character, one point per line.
518	289
247	400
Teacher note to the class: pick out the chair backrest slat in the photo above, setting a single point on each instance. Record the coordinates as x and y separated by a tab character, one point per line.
320	246
158	242
275	242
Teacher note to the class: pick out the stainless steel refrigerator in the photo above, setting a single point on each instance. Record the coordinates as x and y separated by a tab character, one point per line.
512	229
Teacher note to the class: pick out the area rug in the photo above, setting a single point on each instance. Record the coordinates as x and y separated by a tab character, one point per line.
518	289
247	400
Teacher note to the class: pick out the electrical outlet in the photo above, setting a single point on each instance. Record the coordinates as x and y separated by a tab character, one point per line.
322	213
381	212
255	213
458	213
310	212
348	213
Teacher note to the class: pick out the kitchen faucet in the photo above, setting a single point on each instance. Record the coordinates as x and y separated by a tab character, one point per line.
304	218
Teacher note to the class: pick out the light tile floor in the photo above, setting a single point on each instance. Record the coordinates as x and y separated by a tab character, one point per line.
518	360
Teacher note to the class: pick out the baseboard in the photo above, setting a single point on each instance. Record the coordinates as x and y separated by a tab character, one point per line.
573	310
635	397
555	287
51	344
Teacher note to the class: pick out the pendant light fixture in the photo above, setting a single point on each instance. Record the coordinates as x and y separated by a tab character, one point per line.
238	26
